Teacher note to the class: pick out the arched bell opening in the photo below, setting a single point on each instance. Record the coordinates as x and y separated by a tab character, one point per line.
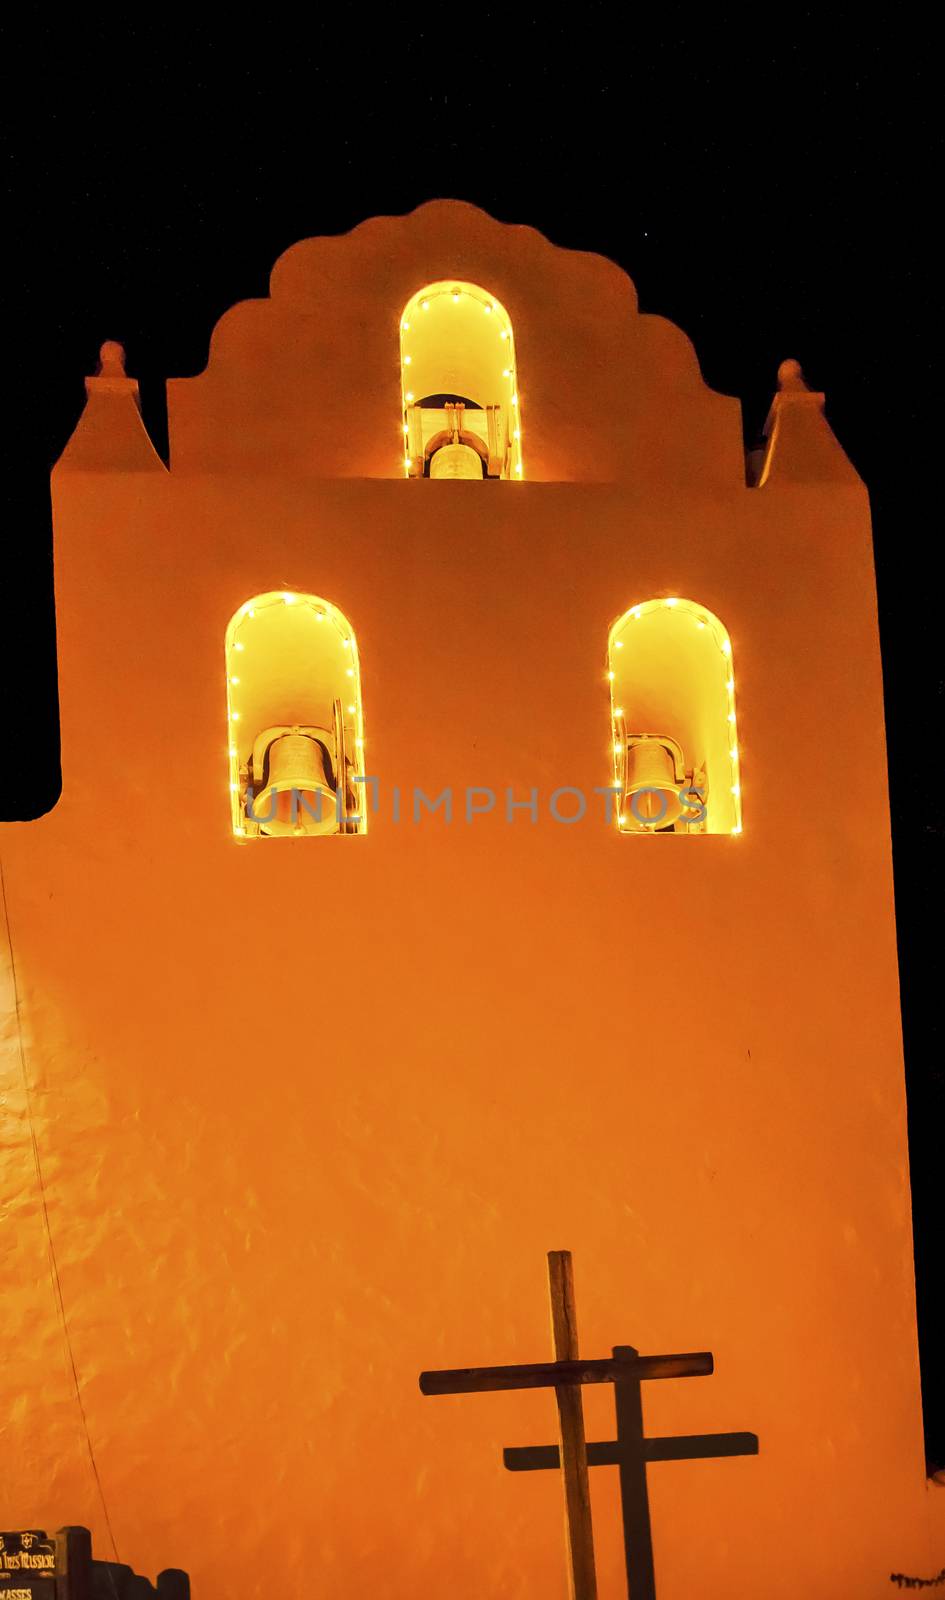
675	739
294	713
459	385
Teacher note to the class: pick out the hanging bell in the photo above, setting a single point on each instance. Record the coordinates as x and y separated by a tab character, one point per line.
655	775
455	461
298	800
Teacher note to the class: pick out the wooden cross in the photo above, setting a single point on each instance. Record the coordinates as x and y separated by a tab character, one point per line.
630	1451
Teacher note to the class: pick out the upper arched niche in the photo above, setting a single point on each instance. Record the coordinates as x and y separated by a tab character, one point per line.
309	380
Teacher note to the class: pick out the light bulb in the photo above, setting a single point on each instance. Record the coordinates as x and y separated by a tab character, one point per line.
405	326
233	750
671	602
734	752
514	400
618	711
726	648
487	309
407	360
240	831
455	298
424	305
506	372
407	461
234	788
516	433
406	428
351	710
730	685
737	828
289	599
349	672
519	467
234	680
504	334
617	749
731	716
736	790
409	398
611	676
618	644
234	716
239	647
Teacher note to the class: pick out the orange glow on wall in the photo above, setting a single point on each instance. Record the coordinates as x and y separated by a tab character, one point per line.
309	1118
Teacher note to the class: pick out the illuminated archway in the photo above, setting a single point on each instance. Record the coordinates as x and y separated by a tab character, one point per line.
295	721
460	397
675	737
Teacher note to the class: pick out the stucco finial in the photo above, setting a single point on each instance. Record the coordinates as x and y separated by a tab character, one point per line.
111	377
111	360
791	378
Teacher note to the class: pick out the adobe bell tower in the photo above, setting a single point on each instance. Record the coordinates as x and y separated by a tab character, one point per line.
474	839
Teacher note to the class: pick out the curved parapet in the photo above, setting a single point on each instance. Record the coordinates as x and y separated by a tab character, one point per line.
309	380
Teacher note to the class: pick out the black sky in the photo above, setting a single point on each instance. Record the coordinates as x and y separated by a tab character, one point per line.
772	193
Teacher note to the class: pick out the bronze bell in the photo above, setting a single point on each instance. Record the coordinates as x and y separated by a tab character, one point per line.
455	461
654	775
298	800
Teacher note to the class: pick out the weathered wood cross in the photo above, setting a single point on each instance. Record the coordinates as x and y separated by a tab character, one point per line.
630	1451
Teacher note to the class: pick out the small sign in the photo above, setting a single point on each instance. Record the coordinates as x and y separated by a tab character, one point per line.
27	1566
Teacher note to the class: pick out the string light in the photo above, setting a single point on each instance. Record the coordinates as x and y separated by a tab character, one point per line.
321	610
702	621
469	293
238	646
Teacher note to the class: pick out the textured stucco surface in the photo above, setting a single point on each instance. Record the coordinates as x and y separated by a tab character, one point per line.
310	1112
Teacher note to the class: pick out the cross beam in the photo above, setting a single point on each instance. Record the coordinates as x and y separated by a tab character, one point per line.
550	1374
681	1447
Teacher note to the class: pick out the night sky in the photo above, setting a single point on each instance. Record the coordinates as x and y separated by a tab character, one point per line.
773	199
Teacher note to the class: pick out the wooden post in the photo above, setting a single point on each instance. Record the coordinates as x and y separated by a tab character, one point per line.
582	1579
74	1564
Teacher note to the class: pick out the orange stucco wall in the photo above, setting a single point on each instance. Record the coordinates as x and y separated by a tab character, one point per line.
310	1112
